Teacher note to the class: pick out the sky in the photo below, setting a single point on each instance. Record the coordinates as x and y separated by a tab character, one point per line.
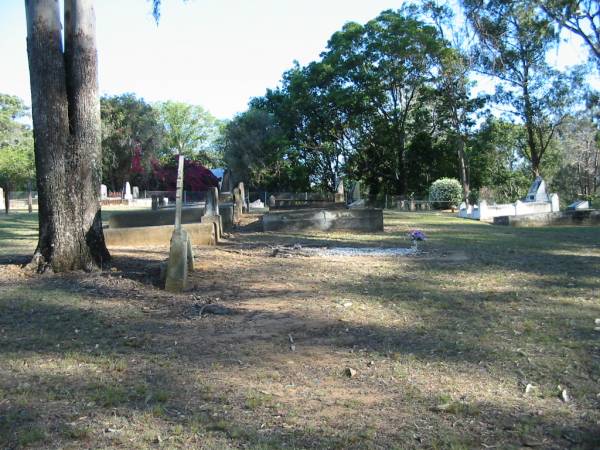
214	53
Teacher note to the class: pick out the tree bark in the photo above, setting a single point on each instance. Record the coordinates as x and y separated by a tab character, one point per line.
66	125
462	167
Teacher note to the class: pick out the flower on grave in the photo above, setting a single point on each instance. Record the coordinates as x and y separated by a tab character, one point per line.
416	236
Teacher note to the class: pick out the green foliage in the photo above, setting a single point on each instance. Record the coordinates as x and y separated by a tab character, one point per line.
445	193
189	130
256	150
17	165
127	121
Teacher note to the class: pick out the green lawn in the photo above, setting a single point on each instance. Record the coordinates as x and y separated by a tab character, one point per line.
467	345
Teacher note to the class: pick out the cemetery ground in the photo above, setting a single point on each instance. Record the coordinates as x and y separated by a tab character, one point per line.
484	340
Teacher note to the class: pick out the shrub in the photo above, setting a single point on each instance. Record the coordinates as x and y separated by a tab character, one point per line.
445	193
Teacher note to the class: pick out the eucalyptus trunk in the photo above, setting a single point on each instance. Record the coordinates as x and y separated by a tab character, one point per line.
66	129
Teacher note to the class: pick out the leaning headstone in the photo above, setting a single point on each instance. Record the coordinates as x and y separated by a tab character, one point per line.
103	192
127	192
181	258
135	192
537	191
339	192
580	204
2	206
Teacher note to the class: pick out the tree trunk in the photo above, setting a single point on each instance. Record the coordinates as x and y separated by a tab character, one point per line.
66	125
462	167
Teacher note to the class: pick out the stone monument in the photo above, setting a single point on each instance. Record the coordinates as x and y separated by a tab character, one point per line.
227	182
237	205
243	196
339	192
2	205
103	192
181	258
537	191
211	211
355	194
135	192
127	192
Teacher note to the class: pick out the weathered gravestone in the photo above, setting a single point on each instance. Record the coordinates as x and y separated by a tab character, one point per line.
339	192
237	205
355	194
103	192
272	201
127	192
181	258
243	196
211	211
135	192
227	181
537	191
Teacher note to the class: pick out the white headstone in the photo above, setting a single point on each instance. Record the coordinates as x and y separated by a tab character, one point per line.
257	204
127	195
555	203
2	206
135	191
103	191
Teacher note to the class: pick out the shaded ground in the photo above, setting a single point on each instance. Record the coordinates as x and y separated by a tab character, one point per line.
442	346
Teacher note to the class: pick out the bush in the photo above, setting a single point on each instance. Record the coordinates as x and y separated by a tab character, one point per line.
445	193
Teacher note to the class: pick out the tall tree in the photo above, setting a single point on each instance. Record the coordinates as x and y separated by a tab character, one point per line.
129	124
189	130
514	41
66	121
581	17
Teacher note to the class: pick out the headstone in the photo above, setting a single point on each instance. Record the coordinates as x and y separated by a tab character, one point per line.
127	192
243	195
103	192
355	194
237	205
2	206
135	192
339	192
181	258
537	191
555	203
257	204
227	181
211	207
272	201
580	204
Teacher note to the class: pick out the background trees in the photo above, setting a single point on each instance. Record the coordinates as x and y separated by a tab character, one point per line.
16	147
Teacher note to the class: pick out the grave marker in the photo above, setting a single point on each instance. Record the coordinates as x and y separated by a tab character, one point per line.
181	258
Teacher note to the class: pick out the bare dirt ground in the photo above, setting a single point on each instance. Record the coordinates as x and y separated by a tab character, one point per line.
486	339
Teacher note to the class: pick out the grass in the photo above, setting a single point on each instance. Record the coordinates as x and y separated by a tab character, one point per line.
443	344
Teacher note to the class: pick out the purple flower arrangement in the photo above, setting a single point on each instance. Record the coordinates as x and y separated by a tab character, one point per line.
416	236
